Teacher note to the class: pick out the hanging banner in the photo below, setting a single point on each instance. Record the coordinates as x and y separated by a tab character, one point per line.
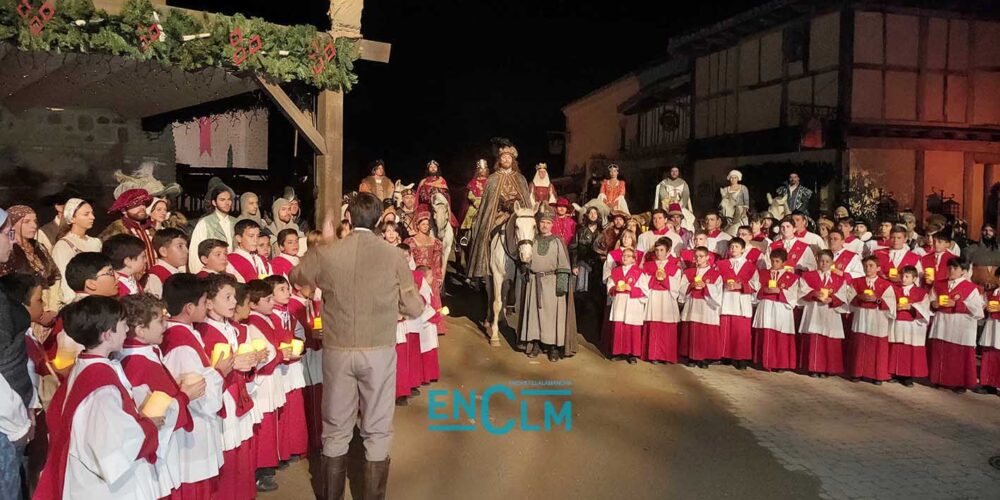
236	140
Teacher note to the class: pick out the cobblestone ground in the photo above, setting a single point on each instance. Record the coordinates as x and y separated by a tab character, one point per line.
865	441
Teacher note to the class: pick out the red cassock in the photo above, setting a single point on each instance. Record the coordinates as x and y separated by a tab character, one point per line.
703	340
939	265
798	250
869	353
989	371
952	364
885	261
267	438
774	349
626	339
292	430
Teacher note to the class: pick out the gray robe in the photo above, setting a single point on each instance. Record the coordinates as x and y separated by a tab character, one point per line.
489	216
546	317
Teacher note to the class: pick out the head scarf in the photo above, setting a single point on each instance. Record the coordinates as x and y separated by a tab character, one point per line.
735	173
244	202
18	212
130	199
72	205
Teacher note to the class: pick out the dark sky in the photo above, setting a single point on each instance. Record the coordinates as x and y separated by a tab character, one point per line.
463	71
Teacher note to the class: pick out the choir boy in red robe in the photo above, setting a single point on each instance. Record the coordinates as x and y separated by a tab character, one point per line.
172	250
907	354
958	307
288	244
100	445
687	256
897	256
989	342
846	262
629	291
824	299
798	254
736	316
291	416
701	292
184	353
851	242
934	265
143	365
236	477
659	332
303	308
873	303
244	262
774	320
214	257
128	258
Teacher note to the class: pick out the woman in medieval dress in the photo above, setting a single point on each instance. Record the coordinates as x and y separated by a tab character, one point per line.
735	202
427	251
673	189
613	191
541	188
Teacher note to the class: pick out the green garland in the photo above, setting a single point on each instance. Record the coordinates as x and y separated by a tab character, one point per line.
118	35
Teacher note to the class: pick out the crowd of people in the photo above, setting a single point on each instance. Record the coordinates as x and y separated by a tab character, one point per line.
155	361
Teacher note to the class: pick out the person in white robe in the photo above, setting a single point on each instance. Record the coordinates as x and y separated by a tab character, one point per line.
873	304
959	306
824	302
846	262
216	225
659	331
628	290
908	329
701	293
774	320
736	317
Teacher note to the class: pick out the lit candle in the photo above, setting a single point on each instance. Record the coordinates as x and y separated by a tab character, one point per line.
245	349
284	345
156	404
893	272
261	276
994	306
824	293
697	279
772	283
63	360
904	301
929	272
621	286
869	292
297	347
943	300
444	311
259	344
730	281
220	352
317	323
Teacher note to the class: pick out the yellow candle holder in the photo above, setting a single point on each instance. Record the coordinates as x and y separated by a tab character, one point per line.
904	301
929	272
261	276
893	272
259	344
220	352
63	361
697	279
823	293
156	404
772	283
317	323
444	311
246	348
869	292
284	345
621	286
943	300
993	303
298	346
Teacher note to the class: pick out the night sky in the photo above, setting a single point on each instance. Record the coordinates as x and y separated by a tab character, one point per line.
463	71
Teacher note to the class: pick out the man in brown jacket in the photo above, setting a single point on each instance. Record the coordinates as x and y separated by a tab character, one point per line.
366	285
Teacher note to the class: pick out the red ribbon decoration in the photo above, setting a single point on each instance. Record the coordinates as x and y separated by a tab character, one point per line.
204	136
37	23
321	57
242	50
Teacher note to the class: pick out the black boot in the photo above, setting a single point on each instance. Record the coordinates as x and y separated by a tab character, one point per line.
532	350
376	480
402	401
554	354
336	477
632	360
742	364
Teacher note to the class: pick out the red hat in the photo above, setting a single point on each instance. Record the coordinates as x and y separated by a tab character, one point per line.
422	212
562	202
131	199
674	209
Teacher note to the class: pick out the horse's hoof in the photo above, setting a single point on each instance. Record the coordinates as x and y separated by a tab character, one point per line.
495	341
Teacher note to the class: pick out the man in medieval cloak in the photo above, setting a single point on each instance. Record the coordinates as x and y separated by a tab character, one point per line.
504	187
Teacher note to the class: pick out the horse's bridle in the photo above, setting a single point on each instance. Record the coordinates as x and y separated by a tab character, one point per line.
513	220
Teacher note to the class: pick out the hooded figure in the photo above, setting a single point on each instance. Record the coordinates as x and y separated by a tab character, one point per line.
250	209
282	219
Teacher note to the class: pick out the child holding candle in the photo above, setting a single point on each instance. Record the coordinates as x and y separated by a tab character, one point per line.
957	310
873	303
184	353
214	257
935	264
908	329
128	258
87	274
989	341
825	299
774	321
303	309
291	416
736	315
701	292
119	441
236	477
244	262
269	397
700	239
172	250
143	366
659	332
896	256
628	288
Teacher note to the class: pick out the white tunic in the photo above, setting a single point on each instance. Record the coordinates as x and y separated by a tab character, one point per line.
104	443
821	319
719	243
815	241
854	269
270	394
235	430
775	315
64	250
201	449
293	374
200	234
428	330
958	328
705	311
914	332
874	322
662	304
624	308
312	359
735	302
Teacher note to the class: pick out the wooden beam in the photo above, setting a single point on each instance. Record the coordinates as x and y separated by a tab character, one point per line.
329	167
299	120
375	51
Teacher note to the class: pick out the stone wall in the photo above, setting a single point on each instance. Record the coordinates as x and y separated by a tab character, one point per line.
43	150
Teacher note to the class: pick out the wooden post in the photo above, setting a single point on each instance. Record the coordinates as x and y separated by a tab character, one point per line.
329	167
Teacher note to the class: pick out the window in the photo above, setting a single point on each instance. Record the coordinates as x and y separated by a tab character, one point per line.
796	44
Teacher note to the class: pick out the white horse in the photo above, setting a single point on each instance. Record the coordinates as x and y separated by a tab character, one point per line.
522	226
441	211
777	206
